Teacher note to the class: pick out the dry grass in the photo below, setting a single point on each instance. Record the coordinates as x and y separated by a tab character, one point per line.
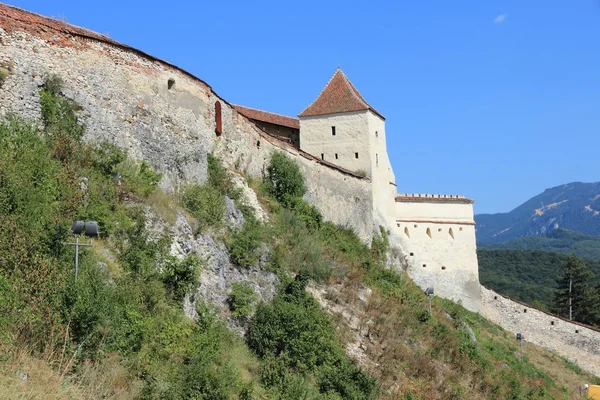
406	356
164	206
108	379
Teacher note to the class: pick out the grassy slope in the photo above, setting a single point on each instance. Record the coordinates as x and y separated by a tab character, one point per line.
129	338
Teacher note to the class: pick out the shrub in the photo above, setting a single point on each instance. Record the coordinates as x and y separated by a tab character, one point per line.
284	179
206	204
306	213
244	244
243	299
380	244
295	333
298	249
60	118
107	156
220	179
180	276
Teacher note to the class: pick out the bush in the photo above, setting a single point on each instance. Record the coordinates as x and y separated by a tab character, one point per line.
220	179
242	300
284	179
380	245
206	204
180	276
244	244
297	334
298	249
306	213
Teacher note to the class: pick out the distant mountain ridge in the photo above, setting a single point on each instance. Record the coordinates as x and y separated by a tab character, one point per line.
574	206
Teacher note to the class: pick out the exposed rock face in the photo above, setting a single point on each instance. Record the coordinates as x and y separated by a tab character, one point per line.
217	272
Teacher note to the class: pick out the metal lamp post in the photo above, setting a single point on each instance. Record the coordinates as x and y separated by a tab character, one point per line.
429	294
89	229
520	338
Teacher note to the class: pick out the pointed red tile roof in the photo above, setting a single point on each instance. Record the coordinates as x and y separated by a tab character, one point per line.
339	96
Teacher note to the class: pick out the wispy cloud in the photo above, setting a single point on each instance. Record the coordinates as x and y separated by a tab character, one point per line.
500	19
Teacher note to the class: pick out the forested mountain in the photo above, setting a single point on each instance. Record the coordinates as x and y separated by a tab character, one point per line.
562	241
525	275
574	206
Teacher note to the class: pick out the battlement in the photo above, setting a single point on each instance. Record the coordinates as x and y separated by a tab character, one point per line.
415	197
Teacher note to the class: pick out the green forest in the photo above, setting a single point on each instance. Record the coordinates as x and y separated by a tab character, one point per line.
119	331
531	276
563	241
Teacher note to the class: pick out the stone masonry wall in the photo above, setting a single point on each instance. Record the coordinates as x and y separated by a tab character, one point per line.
126	99
577	342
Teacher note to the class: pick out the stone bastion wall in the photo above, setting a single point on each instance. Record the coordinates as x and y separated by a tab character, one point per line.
156	111
577	342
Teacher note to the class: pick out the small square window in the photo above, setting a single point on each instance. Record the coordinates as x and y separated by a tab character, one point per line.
355	155
333	131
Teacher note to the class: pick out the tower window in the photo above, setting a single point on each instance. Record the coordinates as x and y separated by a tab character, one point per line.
218	119
428	232
376	134
336	156
377	160
333	131
322	156
170	83
355	155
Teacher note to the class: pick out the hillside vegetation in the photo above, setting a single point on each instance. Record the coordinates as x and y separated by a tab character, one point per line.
563	241
574	206
120	330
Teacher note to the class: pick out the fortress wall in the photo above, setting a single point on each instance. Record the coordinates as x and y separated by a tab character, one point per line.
447	263
577	342
126	99
437	235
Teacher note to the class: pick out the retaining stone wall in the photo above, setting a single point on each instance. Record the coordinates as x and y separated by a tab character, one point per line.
577	342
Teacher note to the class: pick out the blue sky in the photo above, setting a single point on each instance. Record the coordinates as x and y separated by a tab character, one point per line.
496	100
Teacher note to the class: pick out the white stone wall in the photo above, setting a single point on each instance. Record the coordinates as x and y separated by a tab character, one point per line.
383	178
350	137
423	210
578	343
126	100
442	255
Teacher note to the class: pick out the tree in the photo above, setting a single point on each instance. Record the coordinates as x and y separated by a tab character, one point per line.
575	297
284	178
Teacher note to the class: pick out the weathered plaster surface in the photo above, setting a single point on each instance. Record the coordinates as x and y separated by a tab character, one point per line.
350	138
